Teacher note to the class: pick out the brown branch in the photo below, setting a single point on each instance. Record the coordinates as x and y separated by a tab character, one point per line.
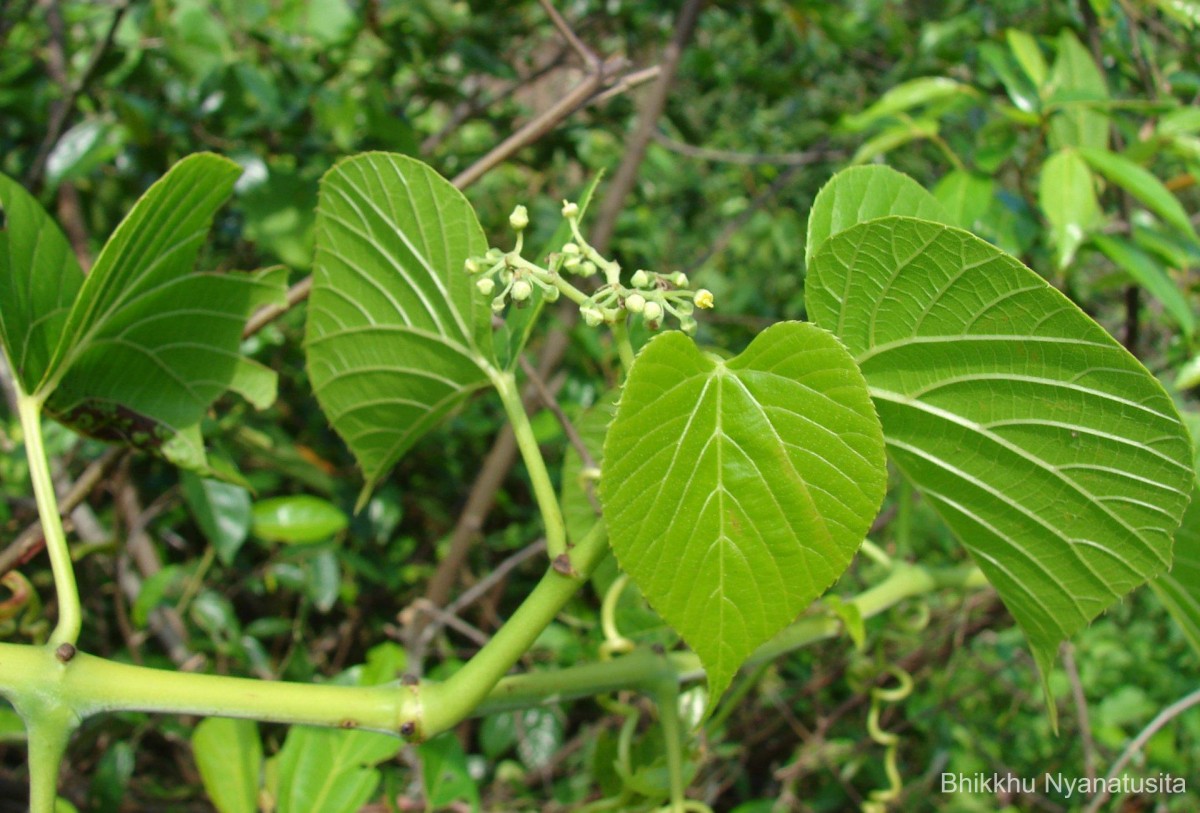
635	149
585	53
749	158
1081	709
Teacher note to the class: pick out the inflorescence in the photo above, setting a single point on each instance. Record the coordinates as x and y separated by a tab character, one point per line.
653	297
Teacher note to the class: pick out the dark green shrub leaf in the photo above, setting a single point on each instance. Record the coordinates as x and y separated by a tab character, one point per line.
1179	590
1142	185
1067	195
395	337
737	491
222	510
1148	272
1057	459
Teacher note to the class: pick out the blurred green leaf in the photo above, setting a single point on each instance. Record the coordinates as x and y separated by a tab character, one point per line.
1179	590
1025	48
300	519
1142	185
1067	195
222	510
110	782
1075	85
966	197
905	96
1147	272
447	778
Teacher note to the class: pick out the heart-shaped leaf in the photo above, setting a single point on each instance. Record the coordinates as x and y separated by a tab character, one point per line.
1058	460
395	337
737	491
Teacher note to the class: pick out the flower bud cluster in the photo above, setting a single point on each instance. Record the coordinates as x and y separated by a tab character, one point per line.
650	296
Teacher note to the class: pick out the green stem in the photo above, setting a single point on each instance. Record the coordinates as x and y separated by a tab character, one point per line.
89	685
48	737
641	668
445	704
620	332
666	697
535	464
69	615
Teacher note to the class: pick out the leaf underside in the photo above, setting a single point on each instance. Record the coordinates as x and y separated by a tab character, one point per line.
736	492
1056	458
395	336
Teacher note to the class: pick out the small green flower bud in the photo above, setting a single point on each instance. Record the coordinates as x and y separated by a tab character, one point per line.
640	279
591	316
635	303
688	325
472	265
587	268
485	286
494	255
570	209
498	304
652	311
570	248
703	299
552	294
679	279
519	218
521	290
572	263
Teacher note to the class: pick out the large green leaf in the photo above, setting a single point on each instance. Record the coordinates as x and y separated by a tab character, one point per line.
148	343
323	770
737	491
395	337
859	194
229	756
1057	459
1067	195
39	278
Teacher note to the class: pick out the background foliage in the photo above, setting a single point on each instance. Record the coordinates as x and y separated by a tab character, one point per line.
1004	109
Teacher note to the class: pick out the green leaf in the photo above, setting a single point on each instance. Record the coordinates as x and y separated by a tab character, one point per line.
1147	272
1022	92
1186	12
1056	458
1067	195
300	519
1142	185
1076	86
895	136
1028	54
395	338
222	510
150	343
905	96
737	491
324	770
967	197
859	194
39	278
1179	590
229	756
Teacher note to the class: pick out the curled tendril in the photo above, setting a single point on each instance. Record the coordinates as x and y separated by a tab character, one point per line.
879	799
614	642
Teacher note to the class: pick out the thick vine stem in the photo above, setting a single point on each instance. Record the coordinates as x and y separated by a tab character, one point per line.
446	704
535	464
70	618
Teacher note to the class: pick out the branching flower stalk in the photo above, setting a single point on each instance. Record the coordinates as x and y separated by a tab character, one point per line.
654	298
